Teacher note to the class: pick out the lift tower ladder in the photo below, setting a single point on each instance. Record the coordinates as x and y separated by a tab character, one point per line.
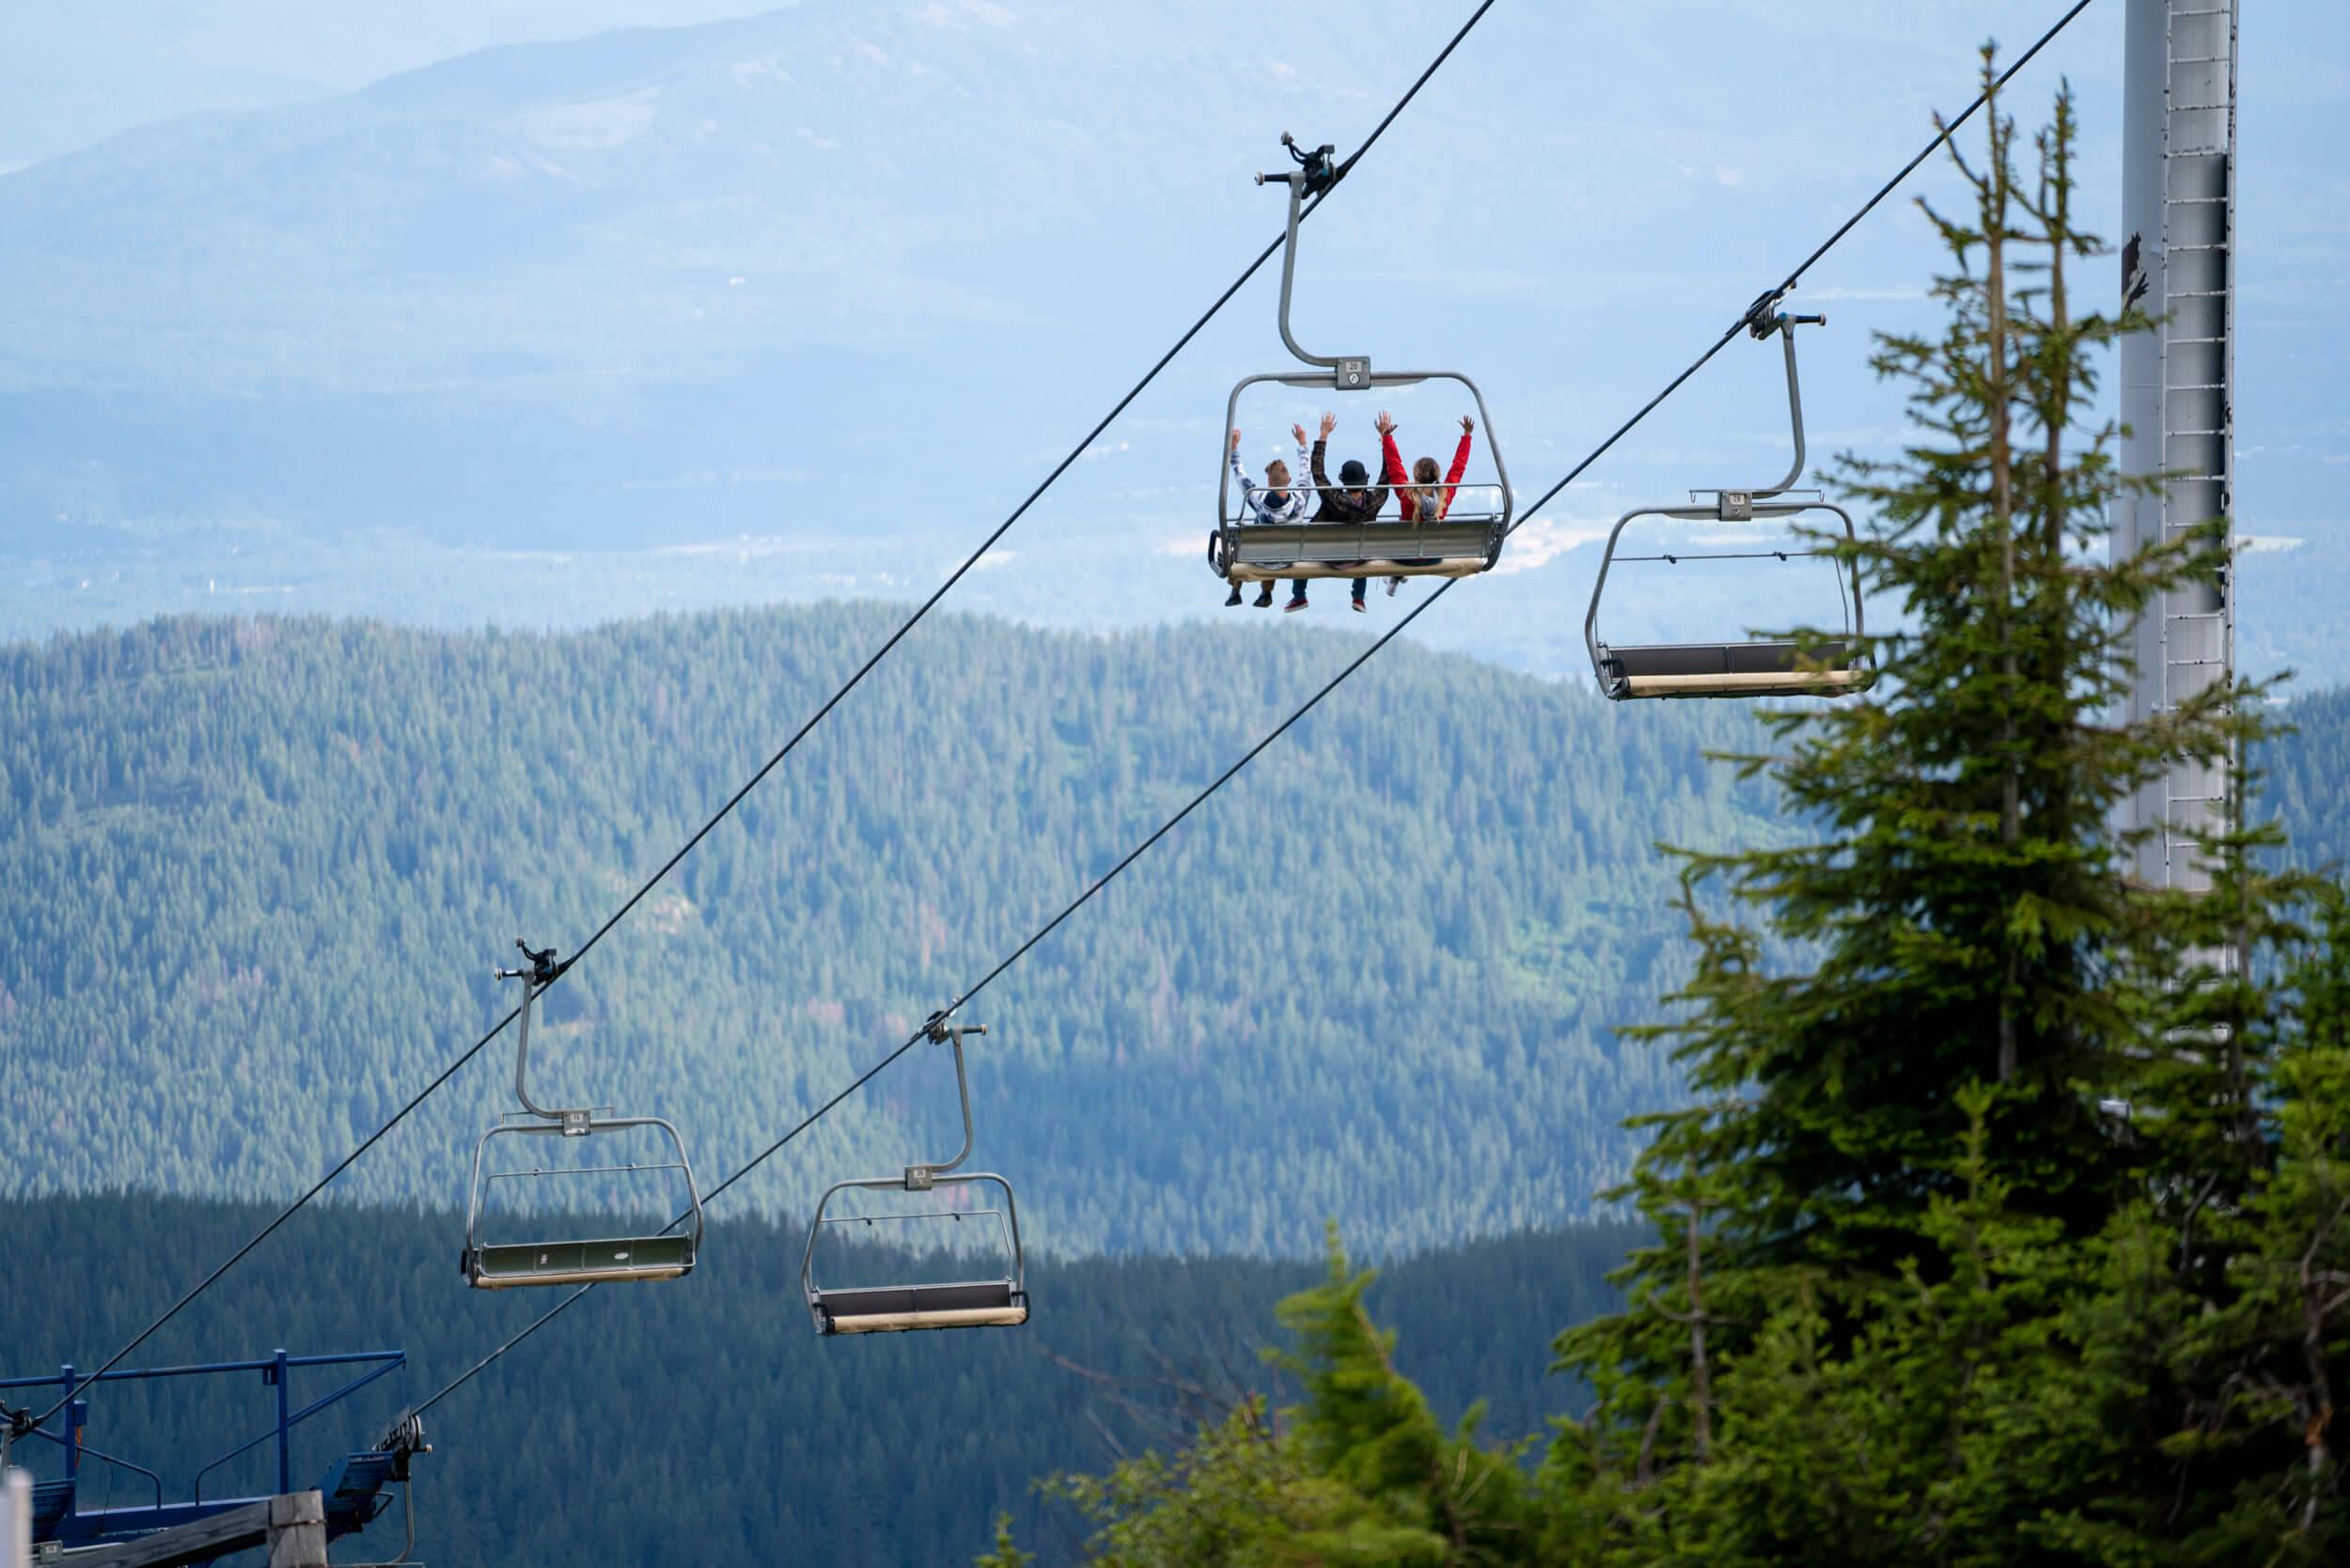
2179	265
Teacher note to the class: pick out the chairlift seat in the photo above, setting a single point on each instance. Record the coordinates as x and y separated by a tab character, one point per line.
896	1309
508	1265
1457	546
590	1261
1777	668
1770	667
957	1304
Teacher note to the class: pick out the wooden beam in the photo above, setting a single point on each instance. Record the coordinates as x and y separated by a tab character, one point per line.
297	1530
293	1526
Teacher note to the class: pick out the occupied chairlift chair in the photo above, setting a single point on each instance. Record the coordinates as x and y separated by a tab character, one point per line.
667	1255
1824	666
1466	540
890	1309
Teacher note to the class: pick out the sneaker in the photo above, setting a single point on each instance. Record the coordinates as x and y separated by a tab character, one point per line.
1393	583
1234	597
1297	604
1264	600
1358	604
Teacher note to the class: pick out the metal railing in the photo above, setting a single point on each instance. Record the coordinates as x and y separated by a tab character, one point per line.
274	1371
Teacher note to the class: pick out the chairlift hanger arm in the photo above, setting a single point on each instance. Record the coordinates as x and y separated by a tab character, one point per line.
919	1178
1762	320
543	972
1316	175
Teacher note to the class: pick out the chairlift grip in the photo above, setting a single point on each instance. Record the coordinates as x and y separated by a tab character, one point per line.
1761	318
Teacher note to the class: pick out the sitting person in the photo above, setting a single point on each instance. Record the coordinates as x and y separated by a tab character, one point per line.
1420	495
1351	500
1275	503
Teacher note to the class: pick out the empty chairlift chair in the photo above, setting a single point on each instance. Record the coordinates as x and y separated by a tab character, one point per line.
991	1303
665	1254
1825	666
1464	540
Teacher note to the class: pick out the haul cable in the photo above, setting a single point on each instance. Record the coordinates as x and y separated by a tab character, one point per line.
18	1421
1760	307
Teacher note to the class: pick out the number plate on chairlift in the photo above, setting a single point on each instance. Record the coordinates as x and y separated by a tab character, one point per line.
1354	375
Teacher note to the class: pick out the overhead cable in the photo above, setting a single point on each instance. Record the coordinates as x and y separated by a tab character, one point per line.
1948	130
792	745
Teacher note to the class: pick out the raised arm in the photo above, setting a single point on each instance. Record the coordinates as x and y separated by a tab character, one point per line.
1391	461
1461	456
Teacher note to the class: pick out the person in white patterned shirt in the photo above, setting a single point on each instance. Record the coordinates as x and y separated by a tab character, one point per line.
1274	502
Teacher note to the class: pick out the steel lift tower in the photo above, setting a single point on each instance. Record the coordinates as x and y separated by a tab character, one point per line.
2178	265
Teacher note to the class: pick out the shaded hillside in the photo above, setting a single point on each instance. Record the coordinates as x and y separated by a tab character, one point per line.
707	1410
257	873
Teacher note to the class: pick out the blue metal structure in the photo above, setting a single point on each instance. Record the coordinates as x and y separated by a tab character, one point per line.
355	1489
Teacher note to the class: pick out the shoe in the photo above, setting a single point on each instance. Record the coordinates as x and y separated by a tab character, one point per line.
1359	603
1264	600
1393	583
1295	604
1235	597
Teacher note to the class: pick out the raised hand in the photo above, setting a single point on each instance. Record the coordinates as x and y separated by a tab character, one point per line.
1299	432
1329	423
1468	426
1384	425
1236	441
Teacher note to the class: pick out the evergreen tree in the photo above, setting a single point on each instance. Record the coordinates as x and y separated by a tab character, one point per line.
1359	1471
2012	1219
1913	1297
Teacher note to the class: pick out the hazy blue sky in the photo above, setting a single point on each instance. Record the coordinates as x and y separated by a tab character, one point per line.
671	289
76	71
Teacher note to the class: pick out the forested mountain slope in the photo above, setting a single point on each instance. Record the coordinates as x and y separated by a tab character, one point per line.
703	1421
257	873
2304	779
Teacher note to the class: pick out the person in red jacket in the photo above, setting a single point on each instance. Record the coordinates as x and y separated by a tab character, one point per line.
1419	492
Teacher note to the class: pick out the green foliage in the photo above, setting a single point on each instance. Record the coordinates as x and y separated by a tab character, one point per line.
257	872
2007	1229
1359	1471
2009	1222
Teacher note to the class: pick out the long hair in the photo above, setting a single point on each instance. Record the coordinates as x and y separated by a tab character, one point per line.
1428	497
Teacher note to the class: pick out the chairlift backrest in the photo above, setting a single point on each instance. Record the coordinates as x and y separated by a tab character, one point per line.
1743	666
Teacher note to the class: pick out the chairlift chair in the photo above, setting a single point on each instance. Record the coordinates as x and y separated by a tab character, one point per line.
1466	540
1001	1303
1746	667
667	1254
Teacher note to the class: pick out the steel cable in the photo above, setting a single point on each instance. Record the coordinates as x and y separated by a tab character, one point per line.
18	1419
1948	130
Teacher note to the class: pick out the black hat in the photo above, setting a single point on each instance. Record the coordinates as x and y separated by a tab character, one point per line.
1353	474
